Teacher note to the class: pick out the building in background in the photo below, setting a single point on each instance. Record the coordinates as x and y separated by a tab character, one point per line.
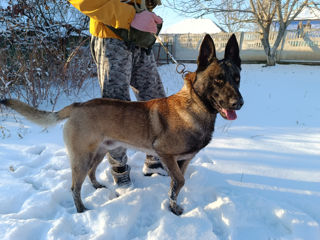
193	26
309	18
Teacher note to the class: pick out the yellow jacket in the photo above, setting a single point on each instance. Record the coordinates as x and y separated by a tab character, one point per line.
110	12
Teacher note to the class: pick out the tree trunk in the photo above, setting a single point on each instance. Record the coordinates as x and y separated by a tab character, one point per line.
271	52
266	46
271	60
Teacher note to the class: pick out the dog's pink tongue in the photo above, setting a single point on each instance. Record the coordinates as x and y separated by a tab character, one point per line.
231	114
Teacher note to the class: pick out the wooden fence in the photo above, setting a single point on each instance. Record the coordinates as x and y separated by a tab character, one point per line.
295	46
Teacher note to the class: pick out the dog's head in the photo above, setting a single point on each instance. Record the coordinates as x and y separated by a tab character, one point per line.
217	81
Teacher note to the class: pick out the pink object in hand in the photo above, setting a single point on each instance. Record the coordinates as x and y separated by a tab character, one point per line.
146	21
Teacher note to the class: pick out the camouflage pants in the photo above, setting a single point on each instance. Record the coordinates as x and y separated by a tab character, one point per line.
119	68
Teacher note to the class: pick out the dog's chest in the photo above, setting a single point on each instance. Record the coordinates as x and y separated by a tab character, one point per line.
200	136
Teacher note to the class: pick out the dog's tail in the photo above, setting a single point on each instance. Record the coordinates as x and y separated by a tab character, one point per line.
42	118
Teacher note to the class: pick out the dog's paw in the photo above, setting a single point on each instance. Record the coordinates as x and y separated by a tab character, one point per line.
97	185
81	209
175	208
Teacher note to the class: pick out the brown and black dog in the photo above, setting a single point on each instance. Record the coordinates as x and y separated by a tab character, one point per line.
174	128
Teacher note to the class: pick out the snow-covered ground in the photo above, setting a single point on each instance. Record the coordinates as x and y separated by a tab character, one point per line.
258	179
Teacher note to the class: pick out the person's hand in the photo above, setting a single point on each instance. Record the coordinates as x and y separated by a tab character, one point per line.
146	21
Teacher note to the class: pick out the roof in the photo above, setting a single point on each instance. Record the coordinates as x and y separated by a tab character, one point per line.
308	13
192	25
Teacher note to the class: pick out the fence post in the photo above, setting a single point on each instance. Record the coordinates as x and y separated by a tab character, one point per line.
174	46
241	41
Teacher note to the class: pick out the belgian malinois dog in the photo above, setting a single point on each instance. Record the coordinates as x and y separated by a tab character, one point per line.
174	128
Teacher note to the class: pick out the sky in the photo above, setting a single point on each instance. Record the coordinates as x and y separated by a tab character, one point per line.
170	16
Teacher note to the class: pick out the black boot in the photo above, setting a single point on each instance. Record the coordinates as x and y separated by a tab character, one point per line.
121	176
153	165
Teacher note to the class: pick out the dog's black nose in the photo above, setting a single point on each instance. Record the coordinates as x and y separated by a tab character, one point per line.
236	104
241	102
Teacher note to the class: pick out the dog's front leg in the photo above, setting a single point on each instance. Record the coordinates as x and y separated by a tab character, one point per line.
177	182
173	195
76	194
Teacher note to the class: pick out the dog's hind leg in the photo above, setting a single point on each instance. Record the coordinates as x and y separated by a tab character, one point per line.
177	182
183	164
80	167
97	159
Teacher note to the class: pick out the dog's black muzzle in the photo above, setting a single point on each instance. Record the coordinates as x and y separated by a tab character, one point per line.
236	105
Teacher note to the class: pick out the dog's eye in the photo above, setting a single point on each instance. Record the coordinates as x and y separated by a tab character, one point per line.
220	76
219	81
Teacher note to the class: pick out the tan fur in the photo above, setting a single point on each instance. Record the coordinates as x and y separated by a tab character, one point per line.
159	127
174	128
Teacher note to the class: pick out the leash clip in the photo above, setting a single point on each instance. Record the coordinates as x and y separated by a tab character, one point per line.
181	71
182	66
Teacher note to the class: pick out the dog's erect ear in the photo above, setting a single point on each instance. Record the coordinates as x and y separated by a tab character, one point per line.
232	51
207	53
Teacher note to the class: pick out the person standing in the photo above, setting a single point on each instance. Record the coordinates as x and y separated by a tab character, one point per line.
121	42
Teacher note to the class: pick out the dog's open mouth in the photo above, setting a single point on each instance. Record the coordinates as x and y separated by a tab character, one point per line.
225	113
228	114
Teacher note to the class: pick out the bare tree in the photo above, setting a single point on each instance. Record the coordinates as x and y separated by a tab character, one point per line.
261	12
283	13
36	39
232	21
316	4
